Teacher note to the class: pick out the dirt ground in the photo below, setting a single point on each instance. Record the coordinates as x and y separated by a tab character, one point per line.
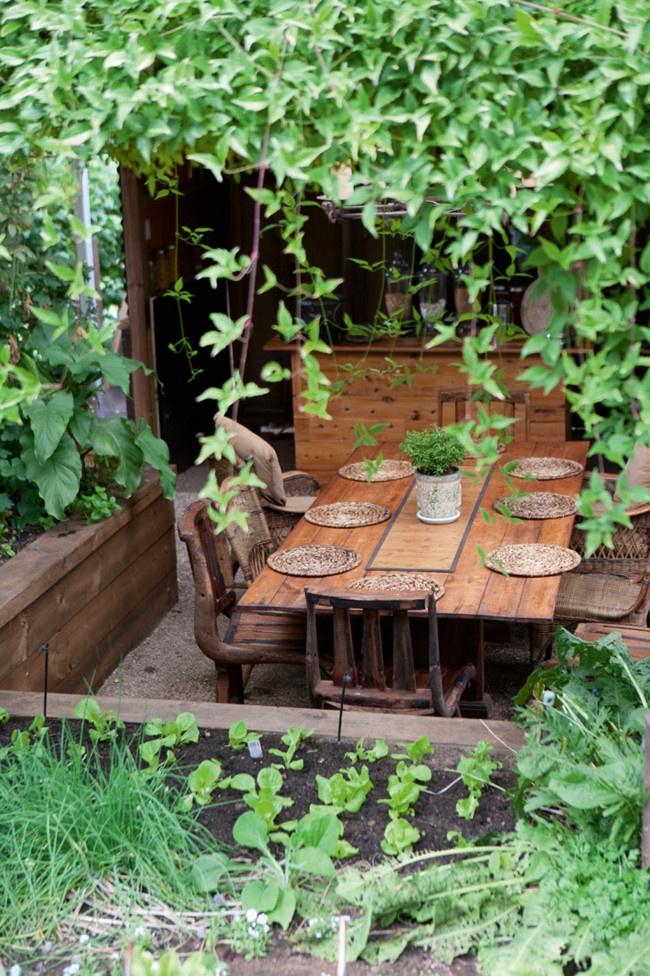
435	815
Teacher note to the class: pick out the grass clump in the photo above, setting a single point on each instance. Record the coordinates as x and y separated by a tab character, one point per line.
76	830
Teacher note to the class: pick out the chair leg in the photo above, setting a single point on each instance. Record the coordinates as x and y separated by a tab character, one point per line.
229	684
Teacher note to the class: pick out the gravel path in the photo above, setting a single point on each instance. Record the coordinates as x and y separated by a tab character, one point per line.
169	664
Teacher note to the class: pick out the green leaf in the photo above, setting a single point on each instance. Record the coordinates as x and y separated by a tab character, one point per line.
263	896
250	830
58	477
311	860
208	870
49	419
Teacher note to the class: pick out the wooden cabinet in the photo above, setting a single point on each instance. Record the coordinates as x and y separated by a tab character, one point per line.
367	393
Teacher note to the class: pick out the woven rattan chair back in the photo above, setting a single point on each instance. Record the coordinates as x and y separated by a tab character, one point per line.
251	545
457	406
372	643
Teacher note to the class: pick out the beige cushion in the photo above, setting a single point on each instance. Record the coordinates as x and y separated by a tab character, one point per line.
637	469
265	460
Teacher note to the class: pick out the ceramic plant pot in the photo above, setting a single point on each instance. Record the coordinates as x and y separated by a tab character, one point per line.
438	498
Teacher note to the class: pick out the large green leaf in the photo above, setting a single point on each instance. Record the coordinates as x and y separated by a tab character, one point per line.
115	437
49	417
156	453
57	478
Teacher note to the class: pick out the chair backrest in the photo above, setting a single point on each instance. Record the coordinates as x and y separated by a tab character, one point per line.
374	678
212	572
251	546
463	406
266	465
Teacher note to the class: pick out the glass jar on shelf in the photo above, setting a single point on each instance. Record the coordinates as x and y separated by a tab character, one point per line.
397	288
465	308
432	294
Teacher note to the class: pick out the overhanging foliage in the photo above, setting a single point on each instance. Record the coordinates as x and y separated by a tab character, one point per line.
514	113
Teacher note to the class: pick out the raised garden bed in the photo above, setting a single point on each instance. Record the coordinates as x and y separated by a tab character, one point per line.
89	593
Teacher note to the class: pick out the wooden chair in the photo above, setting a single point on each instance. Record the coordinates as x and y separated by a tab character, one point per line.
636	639
517	405
250	638
251	546
375	680
287	494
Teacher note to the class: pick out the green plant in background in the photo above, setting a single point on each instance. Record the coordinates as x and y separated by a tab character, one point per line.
361	754
308	852
292	739
261	795
239	736
435	451
57	455
476	773
345	790
166	736
101	725
404	788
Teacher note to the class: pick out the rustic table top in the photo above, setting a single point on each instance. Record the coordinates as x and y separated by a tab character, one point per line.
451	553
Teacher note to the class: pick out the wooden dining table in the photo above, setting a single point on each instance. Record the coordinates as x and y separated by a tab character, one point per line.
453	554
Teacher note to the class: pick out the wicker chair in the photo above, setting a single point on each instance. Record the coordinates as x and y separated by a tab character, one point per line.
251	546
376	681
250	638
287	495
611	585
517	405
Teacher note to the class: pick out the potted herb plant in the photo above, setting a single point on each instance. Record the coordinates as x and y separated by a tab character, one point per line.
435	454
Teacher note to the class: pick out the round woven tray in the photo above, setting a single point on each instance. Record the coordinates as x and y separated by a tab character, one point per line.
399	581
387	471
546	468
538	505
314	560
535	559
347	515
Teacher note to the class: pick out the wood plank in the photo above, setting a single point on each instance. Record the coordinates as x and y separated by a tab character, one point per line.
464	733
120	614
106	555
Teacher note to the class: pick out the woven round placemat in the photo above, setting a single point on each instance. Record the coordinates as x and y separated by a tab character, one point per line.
399	581
387	471
314	560
348	515
537	505
534	559
546	468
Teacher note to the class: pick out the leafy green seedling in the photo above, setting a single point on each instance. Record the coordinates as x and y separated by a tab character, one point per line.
345	790
167	736
262	796
475	771
4	716
361	754
238	735
101	725
23	741
292	739
202	783
399	837
308	851
415	751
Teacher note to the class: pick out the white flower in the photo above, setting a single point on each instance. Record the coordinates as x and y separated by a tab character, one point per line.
15	970
251	915
262	919
83	938
73	968
155	966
